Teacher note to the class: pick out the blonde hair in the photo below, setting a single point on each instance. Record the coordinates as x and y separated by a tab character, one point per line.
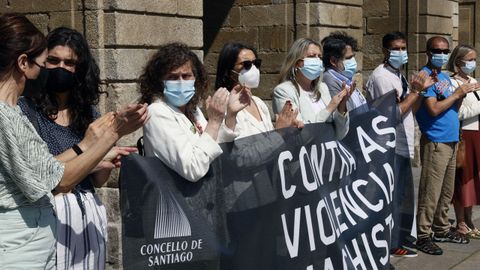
297	52
457	55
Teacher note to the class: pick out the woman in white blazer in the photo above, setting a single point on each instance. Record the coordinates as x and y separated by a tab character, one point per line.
467	182
239	66
173	84
301	84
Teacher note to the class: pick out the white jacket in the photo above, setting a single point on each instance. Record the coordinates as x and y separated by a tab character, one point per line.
171	136
470	108
287	91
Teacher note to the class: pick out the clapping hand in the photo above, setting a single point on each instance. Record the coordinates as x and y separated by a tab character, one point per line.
130	118
216	105
288	117
113	157
420	81
240	97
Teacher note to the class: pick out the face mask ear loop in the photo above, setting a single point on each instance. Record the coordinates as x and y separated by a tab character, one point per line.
236	73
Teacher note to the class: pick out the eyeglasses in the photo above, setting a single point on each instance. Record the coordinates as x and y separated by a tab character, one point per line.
247	65
52	60
37	64
440	51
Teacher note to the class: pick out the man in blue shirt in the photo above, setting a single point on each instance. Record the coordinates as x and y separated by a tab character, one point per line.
439	124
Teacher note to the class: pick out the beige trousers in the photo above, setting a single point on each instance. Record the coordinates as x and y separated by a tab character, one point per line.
437	182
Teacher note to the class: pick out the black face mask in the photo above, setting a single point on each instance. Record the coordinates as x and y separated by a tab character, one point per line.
60	80
35	86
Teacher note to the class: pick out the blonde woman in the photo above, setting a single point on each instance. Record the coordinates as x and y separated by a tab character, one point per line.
300	83
462	62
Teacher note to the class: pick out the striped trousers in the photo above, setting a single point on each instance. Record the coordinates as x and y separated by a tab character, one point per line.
81	231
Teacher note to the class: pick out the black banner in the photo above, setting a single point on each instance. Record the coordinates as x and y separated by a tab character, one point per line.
288	199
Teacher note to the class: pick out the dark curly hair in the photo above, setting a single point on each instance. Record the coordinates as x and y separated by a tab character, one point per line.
333	48
170	57
342	35
86	92
226	62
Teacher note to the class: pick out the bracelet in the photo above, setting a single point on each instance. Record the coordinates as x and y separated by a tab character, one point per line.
77	149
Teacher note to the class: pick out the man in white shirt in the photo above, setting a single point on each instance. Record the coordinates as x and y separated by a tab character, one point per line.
385	78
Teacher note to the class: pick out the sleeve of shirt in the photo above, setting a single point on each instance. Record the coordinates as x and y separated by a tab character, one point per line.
280	96
26	160
334	86
188	156
431	91
283	93
342	123
225	134
470	105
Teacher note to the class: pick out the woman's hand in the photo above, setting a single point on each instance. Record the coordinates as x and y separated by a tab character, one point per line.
96	129
288	117
464	89
113	157
130	118
240	97
216	106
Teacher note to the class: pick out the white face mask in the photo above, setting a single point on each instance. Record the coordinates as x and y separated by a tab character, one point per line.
249	78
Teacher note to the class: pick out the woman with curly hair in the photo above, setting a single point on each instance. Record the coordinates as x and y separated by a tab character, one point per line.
173	83
61	115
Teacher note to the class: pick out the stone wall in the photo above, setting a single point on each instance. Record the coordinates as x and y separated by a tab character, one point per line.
380	17
271	26
425	19
429	18
266	25
316	19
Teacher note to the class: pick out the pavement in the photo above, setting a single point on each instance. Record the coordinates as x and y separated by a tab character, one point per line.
455	256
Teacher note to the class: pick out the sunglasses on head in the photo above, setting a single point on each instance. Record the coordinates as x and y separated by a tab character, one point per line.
440	51
52	60
247	65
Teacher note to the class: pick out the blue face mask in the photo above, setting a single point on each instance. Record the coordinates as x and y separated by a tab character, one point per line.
312	67
350	68
439	59
469	66
178	92
398	58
